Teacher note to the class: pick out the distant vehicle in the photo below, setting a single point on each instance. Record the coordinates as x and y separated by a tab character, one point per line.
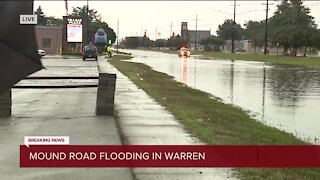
240	50
41	52
184	52
90	51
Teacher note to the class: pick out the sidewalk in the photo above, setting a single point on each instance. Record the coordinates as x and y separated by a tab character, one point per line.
142	121
64	112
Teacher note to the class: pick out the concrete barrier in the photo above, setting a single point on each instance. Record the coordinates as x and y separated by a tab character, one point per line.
105	94
5	104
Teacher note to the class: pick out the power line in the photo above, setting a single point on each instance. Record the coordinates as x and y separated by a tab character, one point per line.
117	35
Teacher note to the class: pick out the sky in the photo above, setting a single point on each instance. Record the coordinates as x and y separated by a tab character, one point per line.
155	17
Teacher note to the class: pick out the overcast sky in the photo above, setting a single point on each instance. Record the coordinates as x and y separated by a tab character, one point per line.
156	16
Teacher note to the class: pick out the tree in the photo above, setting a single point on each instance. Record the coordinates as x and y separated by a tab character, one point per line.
291	25
255	32
175	42
145	42
225	30
40	16
131	42
160	43
82	12
212	43
53	21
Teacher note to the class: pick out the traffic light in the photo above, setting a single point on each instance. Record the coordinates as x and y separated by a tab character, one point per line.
109	42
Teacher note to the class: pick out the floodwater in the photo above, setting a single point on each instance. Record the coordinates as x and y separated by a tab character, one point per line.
285	97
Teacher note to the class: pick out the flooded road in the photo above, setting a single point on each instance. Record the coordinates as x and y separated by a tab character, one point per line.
286	97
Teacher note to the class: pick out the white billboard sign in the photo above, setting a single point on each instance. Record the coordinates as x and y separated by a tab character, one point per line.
74	32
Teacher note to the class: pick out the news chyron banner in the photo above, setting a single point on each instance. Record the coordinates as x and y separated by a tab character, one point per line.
57	152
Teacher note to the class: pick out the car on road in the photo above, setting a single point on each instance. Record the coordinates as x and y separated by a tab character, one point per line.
90	51
41	52
184	52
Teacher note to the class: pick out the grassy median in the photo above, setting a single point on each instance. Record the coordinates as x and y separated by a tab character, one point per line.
280	59
212	121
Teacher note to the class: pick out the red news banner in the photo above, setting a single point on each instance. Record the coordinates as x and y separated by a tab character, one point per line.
169	156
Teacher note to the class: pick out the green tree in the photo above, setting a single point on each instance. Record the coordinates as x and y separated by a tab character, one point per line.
255	32
225	30
145	42
175	42
82	12
290	26
42	20
212	43
54	21
131	42
160	43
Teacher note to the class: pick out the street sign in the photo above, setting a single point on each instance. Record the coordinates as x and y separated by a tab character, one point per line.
29	19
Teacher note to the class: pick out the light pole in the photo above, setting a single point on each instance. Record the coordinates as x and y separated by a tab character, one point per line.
195	41
117	35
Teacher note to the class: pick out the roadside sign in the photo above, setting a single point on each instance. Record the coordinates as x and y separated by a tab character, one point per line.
29	19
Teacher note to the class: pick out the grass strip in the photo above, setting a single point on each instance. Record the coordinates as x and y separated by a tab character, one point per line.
212	121
275	59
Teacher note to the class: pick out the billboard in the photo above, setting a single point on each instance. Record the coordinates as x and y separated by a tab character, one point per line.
74	30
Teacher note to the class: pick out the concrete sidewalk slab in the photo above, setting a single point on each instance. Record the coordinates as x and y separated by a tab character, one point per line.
64	112
142	121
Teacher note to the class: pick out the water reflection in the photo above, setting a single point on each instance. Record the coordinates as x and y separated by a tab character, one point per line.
290	84
231	80
285	97
263	94
184	70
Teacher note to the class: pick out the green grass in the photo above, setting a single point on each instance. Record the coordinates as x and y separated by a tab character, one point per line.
280	59
212	121
301	61
120	57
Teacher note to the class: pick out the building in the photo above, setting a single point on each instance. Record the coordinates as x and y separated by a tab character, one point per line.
49	38
193	36
239	45
247	46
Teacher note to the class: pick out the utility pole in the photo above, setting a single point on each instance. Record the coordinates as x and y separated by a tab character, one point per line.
88	40
196	37
233	27
117	36
66	6
266	30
